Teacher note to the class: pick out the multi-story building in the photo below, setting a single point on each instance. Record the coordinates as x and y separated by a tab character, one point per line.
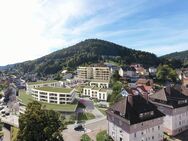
54	95
51	83
127	71
100	83
135	119
96	73
85	73
174	104
96	92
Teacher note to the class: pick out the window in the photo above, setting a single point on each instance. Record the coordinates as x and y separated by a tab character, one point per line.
152	137
120	139
158	127
135	135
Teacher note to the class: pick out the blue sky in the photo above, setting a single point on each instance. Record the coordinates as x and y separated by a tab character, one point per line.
33	28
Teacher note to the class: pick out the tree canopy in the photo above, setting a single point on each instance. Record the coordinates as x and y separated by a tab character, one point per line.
166	73
39	124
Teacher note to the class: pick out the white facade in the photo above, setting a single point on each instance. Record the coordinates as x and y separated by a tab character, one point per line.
100	84
54	97
176	121
94	92
128	73
146	131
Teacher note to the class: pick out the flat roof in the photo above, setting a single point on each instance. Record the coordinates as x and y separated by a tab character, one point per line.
41	82
94	81
27	98
55	89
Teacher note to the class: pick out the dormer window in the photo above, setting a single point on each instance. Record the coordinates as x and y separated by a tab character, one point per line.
146	114
182	101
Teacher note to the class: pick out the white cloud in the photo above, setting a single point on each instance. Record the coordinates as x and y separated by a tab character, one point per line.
32	28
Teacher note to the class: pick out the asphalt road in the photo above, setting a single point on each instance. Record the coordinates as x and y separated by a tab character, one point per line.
92	128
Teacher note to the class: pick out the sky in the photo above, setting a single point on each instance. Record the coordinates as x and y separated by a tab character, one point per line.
33	28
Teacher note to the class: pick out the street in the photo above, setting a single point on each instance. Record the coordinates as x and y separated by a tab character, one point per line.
92	128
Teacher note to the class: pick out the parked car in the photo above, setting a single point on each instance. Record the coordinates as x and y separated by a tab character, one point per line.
7	114
79	127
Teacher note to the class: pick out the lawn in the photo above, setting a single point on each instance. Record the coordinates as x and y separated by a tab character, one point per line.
103	136
85	116
26	98
102	110
54	89
14	133
42	82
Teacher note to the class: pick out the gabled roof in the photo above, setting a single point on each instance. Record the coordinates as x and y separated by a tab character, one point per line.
128	68
160	95
130	108
170	96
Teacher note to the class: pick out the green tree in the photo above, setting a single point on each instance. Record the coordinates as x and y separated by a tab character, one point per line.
103	136
166	73
39	124
85	137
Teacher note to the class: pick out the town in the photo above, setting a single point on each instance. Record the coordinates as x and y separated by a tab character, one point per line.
103	102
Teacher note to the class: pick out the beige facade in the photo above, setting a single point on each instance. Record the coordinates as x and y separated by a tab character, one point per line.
96	73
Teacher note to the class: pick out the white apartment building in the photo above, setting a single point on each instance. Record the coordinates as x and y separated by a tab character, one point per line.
96	73
51	83
100	84
135	119
96	92
174	105
54	95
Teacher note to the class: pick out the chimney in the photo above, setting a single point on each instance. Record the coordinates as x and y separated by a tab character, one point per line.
130	99
168	89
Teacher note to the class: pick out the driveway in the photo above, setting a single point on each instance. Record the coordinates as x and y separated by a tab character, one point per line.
92	128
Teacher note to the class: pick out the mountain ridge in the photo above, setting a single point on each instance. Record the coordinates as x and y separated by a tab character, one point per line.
86	52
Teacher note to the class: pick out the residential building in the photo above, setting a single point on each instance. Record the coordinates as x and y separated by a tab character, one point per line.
96	73
144	82
96	92
100	83
174	104
54	95
127	71
51	83
135	119
140	70
152	70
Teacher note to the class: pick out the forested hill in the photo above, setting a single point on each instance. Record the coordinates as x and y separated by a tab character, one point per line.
183	56
177	55
86	52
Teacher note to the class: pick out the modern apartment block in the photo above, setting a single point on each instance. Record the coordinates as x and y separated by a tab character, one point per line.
101	84
96	73
174	104
54	95
135	119
51	83
96	92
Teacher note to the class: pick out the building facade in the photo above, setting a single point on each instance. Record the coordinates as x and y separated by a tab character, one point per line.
96	73
96	92
174	104
135	119
100	84
54	95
